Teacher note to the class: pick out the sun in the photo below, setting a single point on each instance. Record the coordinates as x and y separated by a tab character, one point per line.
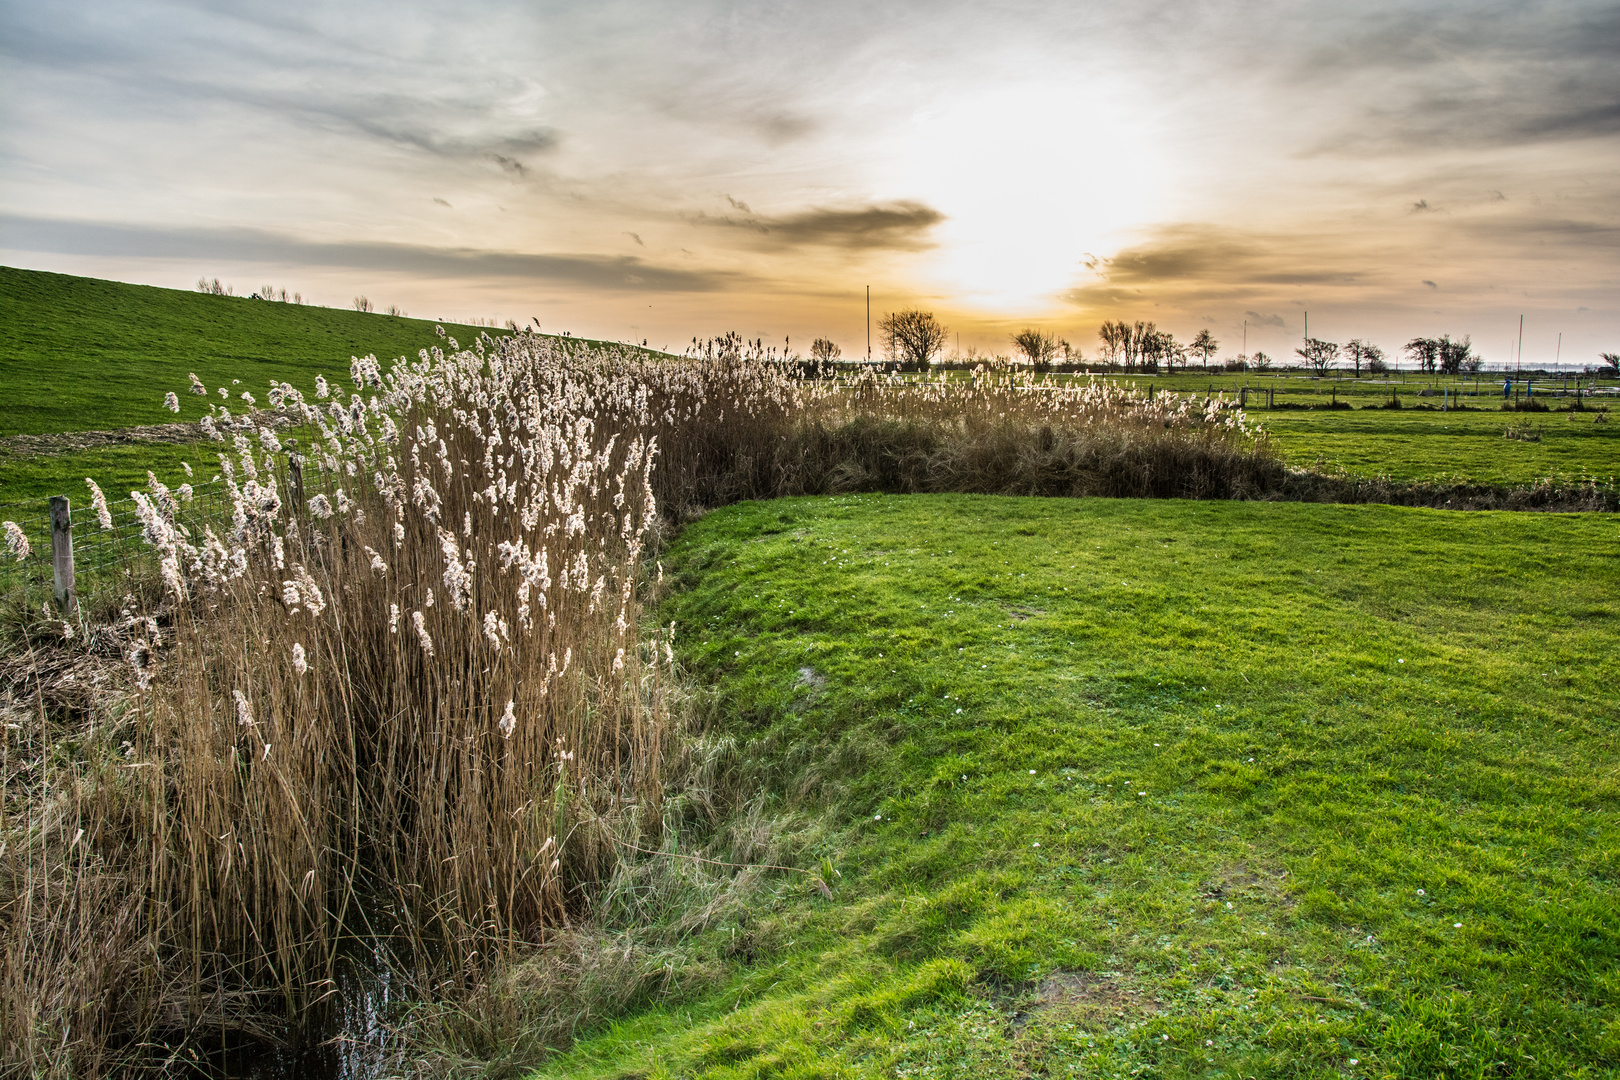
1033	179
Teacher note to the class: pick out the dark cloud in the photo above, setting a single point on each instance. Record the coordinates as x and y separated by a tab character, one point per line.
1265	320
252	245
1497	74
442	202
1422	207
1430	284
896	226
1203	255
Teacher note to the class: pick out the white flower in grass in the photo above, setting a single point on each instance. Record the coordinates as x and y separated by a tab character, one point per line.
247	397
377	564
171	401
268	440
419	622
393	618
321	389
17	541
320	507
508	720
618	662
300	662
197	386
492	630
187	466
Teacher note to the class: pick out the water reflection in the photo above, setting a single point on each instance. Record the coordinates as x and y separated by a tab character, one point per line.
346	1037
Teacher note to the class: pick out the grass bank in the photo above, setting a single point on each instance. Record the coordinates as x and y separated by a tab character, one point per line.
1154	789
82	354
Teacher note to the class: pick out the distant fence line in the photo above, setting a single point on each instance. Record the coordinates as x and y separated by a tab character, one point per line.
67	540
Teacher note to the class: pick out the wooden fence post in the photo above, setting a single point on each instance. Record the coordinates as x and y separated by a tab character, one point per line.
62	553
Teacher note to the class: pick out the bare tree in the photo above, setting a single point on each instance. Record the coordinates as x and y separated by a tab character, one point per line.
1038	345
824	351
1360	352
912	337
1155	347
1203	346
1318	354
1259	362
1116	339
1426	351
1611	361
1454	354
362	304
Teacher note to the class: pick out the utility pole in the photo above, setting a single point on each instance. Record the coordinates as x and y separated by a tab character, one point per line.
869	324
1518	354
1559	352
1245	339
1307	326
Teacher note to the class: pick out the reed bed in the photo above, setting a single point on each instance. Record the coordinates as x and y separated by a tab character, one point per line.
408	692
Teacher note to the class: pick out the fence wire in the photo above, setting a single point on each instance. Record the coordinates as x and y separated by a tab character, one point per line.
97	550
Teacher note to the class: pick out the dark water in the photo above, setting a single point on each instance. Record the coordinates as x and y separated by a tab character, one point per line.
345	1037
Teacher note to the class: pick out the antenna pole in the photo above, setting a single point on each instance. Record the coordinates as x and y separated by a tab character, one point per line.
869	324
1518	355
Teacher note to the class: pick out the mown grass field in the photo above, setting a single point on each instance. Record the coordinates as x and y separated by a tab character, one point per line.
1413	445
1157	789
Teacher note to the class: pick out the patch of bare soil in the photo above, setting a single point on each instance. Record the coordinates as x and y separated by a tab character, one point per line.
1086	999
15	446
1240	881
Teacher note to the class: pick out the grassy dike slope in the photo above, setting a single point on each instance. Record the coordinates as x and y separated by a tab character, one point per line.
1145	788
82	354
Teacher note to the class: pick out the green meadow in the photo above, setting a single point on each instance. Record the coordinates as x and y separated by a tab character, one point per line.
1115	788
1413	445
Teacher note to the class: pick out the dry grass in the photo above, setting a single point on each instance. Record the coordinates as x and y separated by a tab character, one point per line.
408	694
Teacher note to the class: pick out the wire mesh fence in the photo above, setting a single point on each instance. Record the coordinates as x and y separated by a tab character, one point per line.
98	549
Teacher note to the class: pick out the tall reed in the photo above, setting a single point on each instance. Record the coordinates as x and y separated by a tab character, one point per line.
408	691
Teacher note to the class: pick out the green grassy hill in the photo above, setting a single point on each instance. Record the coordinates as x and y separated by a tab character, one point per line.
81	354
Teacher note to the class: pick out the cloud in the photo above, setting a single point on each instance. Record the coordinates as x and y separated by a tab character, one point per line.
1265	320
1421	207
1496	74
1430	284
1205	254
896	226
442	202
601	272
636	237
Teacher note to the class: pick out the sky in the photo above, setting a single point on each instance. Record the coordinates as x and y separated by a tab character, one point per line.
658	171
